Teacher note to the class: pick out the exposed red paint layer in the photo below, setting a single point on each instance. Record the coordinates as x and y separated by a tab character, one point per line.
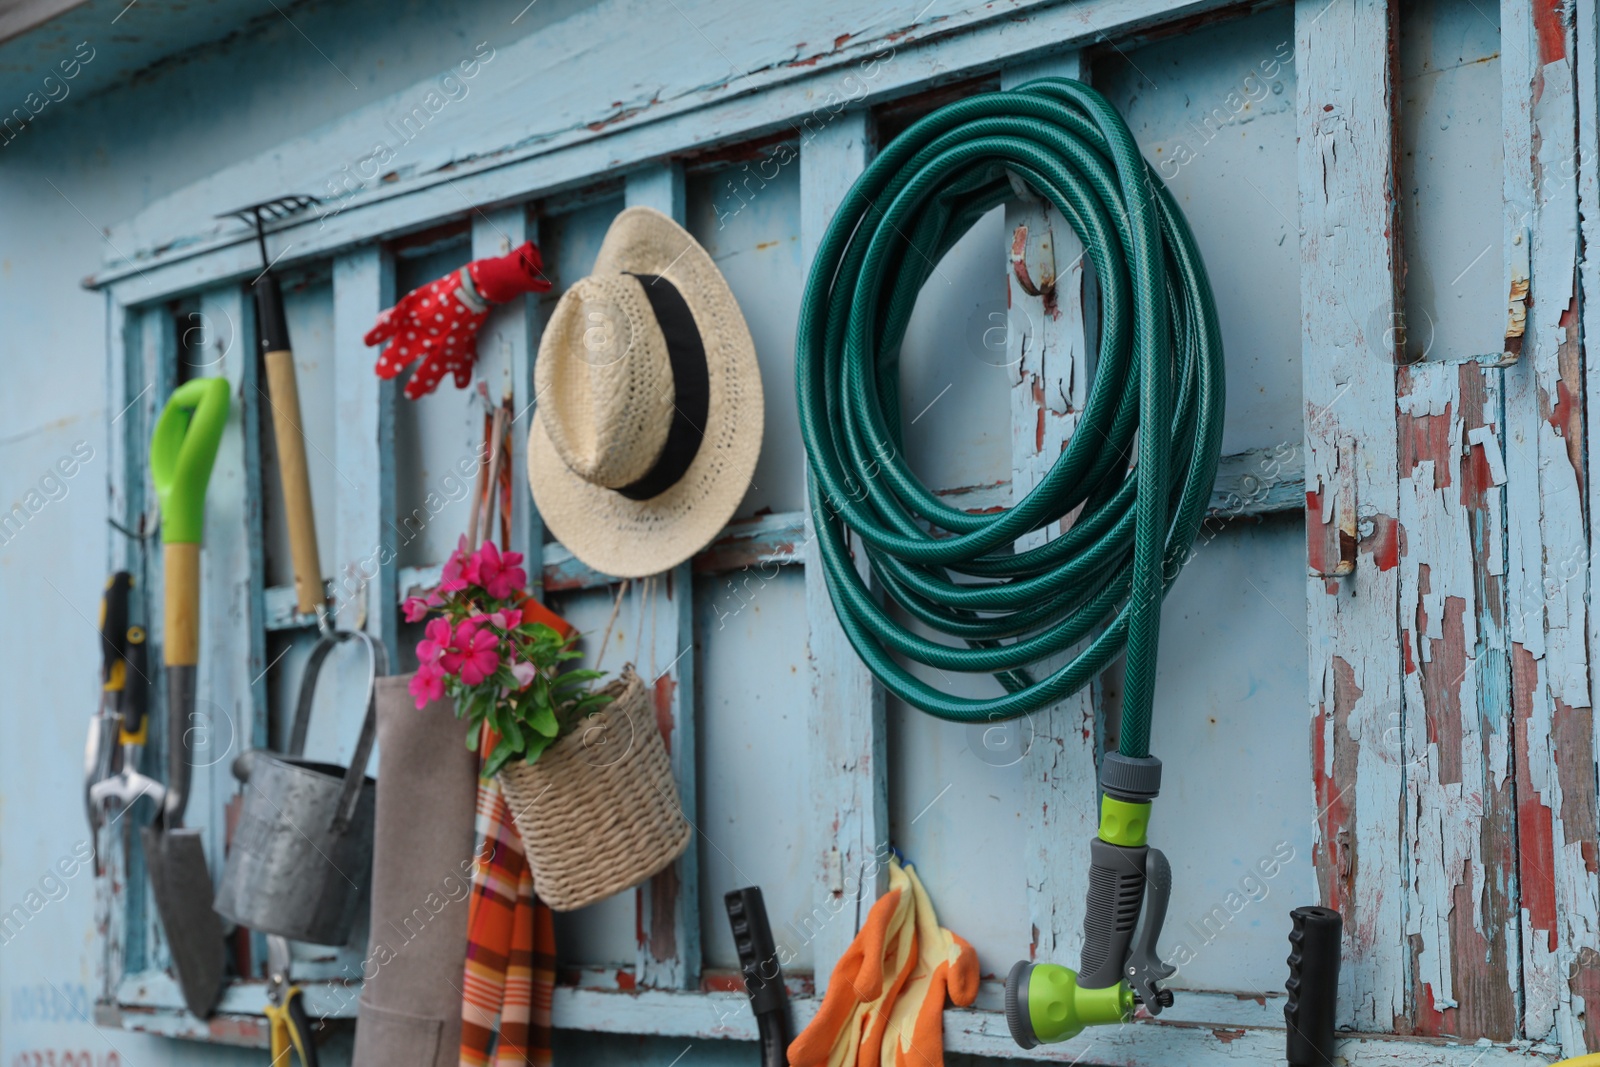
1227	1037
626	981
1423	438
664	688
1570	733
1535	832
664	889
722	982
1549	21
1384	543
1335	791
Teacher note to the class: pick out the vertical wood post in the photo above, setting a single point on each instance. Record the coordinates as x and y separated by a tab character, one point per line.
848	761
1548	546
365	574
1343	57
510	332
669	904
1046	355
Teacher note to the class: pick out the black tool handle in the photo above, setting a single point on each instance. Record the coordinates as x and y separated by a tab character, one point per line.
1116	893
300	1022
137	701
114	630
271	326
1310	1013
763	976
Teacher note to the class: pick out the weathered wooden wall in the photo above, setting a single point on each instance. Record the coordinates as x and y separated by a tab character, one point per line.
1386	694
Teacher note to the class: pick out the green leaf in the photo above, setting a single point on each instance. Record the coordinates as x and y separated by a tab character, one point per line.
502	752
545	722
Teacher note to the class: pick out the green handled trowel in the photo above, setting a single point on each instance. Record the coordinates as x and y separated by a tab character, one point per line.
182	452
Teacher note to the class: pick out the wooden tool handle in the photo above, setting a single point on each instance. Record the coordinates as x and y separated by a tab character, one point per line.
283	391
182	639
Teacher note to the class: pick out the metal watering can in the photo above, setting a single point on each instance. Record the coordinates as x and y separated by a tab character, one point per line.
301	859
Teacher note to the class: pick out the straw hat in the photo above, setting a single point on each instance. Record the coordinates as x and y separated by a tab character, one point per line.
650	415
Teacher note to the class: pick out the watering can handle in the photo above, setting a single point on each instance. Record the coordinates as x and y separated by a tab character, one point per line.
356	773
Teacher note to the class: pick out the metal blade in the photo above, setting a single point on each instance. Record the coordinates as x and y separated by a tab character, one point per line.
181	884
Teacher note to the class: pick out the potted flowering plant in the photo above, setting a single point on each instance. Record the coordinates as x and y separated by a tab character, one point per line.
487	648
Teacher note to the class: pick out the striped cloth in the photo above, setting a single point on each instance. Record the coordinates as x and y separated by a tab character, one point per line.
511	946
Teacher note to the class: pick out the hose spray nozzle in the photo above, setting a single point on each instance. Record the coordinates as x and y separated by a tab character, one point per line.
1047	1002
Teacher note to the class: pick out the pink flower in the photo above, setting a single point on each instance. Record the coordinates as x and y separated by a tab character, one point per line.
417	608
497	574
427	684
472	653
437	642
453	579
506	618
523	672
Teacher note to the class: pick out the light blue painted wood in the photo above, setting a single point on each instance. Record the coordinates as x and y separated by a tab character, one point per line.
846	762
217	341
1046	352
365	560
896	55
669	904
158	369
506	349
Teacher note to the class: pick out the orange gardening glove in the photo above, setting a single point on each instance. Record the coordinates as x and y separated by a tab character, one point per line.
849	1028
946	965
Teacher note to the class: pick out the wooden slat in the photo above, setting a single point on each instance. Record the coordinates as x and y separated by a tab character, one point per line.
124	491
365	570
232	687
1347	278
507	339
157	369
512	153
845	709
1266	481
1453	737
1546	484
1233	1036
1586	60
1058	746
669	904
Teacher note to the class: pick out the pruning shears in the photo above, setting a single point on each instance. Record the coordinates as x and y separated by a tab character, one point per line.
119	727
286	1010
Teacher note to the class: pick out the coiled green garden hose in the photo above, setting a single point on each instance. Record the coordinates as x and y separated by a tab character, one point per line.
1157	395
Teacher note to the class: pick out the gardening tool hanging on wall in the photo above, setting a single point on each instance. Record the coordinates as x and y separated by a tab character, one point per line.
301	856
182	453
120	724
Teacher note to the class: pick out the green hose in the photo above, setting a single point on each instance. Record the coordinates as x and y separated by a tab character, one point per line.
1157	395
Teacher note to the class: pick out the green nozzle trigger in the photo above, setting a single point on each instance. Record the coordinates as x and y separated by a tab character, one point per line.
182	453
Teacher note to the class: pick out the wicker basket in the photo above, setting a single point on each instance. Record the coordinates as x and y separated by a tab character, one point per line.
598	811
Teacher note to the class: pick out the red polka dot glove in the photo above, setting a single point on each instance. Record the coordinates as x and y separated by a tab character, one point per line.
439	322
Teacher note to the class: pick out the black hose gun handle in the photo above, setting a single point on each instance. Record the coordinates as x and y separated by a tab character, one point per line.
763	976
1313	986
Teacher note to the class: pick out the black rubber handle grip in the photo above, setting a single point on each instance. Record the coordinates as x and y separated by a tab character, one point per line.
138	687
114	627
1116	893
271	326
1313	986
758	953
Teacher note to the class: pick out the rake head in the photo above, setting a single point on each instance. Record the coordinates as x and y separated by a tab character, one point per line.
271	210
274	210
